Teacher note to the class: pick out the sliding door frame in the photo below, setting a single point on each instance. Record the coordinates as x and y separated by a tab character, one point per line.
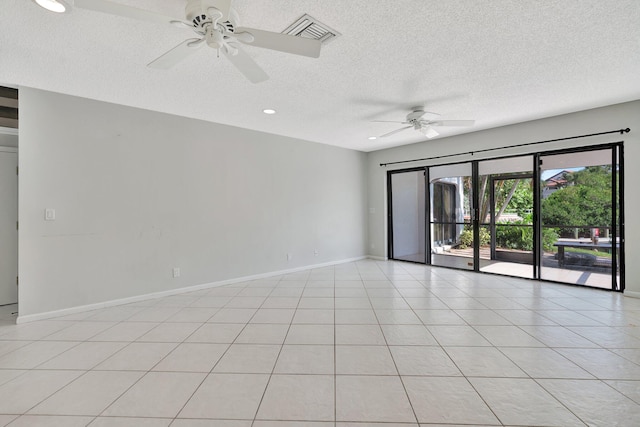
493	226
390	213
618	219
617	189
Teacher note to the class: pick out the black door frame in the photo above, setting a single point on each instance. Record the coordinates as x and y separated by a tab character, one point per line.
492	216
617	231
390	213
617	189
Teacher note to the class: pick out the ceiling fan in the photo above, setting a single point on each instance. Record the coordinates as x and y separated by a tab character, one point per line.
416	120
216	25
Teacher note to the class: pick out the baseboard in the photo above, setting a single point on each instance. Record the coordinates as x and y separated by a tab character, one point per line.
112	303
632	294
378	258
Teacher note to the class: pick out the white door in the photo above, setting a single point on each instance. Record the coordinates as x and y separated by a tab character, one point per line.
8	227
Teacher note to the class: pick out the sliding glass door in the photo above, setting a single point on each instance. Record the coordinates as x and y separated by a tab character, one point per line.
556	216
452	238
408	203
580	218
506	234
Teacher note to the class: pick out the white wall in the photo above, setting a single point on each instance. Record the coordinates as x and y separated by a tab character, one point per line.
8	140
592	121
137	193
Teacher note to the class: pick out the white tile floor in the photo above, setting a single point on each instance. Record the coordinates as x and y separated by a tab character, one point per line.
365	344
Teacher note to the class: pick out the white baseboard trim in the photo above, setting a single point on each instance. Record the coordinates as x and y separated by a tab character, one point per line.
112	303
378	258
631	294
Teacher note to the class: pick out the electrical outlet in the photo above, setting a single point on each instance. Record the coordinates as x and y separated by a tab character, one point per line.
315	252
289	257
176	272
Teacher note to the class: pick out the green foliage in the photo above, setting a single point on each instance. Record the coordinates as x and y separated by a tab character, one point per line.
549	237
586	200
511	196
521	238
513	237
466	237
522	200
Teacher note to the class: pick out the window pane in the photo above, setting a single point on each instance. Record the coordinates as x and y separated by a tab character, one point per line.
408	209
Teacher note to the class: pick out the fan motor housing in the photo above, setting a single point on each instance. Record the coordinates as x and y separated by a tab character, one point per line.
197	12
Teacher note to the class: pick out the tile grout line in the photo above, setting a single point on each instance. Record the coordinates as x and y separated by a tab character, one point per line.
335	298
404	387
275	363
156	364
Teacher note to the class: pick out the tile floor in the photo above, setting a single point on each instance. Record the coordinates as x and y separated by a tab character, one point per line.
364	344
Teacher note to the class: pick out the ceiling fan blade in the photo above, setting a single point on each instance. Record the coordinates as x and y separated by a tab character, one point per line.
283	42
177	54
246	65
389	121
122	10
429	132
452	122
395	131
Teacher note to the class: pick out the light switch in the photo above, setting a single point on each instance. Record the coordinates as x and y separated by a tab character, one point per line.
49	214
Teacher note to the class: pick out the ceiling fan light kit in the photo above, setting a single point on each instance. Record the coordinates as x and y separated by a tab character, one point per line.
57	6
416	120
216	24
429	132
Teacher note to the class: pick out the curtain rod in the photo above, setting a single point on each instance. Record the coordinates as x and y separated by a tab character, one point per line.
620	131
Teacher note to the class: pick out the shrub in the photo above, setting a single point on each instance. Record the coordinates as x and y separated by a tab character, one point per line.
466	237
513	237
549	237
510	237
521	238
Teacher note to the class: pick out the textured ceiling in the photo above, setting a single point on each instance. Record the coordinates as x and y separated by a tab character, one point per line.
495	61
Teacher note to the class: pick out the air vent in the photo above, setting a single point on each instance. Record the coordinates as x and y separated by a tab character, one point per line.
310	28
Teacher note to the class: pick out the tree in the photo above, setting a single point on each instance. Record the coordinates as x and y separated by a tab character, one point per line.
585	201
513	194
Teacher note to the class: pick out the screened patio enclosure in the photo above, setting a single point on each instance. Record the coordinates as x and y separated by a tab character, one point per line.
554	216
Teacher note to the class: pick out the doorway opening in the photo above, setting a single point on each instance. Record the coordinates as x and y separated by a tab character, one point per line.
8	204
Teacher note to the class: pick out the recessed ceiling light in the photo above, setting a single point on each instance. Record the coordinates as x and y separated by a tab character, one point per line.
373	138
58	6
269	111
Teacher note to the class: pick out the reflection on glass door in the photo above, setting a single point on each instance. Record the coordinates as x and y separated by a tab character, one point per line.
506	216
408	215
579	194
450	223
